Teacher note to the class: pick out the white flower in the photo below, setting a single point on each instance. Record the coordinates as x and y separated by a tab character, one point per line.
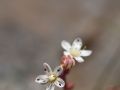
51	77
75	50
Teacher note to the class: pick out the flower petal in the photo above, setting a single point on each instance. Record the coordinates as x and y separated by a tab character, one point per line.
79	59
77	43
85	53
66	53
50	87
59	82
58	70
47	69
42	79
65	45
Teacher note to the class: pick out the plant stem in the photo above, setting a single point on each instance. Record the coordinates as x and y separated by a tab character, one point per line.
68	85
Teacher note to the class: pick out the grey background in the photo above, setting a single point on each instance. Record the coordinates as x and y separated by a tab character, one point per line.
31	32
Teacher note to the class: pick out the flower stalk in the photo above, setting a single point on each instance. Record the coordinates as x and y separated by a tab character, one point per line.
68	85
67	63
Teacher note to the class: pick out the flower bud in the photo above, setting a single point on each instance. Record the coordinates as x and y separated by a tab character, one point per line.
67	62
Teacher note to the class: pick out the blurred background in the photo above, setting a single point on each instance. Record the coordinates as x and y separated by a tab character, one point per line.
31	32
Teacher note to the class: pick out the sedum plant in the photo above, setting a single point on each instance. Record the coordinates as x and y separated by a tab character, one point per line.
72	53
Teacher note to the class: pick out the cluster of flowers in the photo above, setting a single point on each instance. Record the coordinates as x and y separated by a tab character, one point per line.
70	54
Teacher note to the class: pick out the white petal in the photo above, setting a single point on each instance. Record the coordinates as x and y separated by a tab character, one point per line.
77	43
65	45
59	82
42	79
50	87
47	69
79	59
58	70
85	53
66	53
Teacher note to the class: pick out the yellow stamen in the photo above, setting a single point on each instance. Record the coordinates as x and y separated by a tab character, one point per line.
52	78
74	52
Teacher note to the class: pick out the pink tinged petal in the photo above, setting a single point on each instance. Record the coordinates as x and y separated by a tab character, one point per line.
85	53
47	69
77	44
58	70
66	53
59	82
50	87
42	79
65	45
79	59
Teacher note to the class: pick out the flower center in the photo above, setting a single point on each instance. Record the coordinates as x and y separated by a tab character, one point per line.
74	52
52	78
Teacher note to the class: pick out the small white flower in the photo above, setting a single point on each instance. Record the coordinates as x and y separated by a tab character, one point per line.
75	50
51	77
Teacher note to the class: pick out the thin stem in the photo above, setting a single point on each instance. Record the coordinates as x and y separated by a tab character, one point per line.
68	85
67	62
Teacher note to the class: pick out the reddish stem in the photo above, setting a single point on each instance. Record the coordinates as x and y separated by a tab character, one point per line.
68	85
67	62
